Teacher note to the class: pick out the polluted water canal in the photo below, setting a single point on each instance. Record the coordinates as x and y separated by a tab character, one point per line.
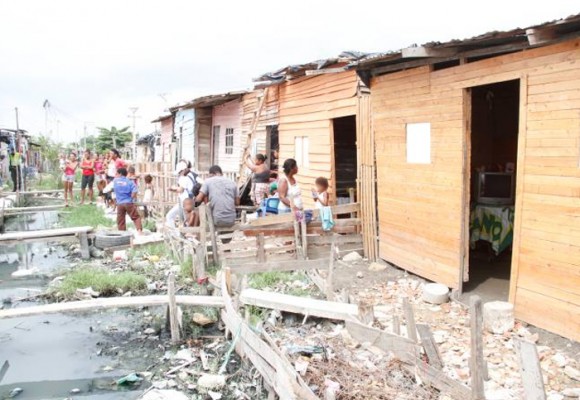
57	356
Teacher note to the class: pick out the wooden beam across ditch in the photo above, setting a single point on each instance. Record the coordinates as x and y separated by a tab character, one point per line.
110	302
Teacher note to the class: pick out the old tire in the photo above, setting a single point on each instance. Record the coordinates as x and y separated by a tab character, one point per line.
106	239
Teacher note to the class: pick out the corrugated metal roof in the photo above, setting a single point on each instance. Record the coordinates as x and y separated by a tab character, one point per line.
211	100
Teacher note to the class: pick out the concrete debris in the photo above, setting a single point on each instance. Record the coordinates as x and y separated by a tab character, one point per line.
209	381
376	267
559	360
498	317
88	292
572	392
149	331
572	372
185	355
214	395
435	293
353	256
359	275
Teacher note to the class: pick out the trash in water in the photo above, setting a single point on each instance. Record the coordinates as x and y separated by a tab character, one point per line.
15	392
129	379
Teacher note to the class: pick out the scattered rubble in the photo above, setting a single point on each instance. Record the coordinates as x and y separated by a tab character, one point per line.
352	257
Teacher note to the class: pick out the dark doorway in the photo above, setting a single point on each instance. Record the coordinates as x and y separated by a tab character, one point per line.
345	158
272	148
495	112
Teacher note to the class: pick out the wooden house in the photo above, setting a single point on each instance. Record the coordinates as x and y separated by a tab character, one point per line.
164	125
461	127
324	123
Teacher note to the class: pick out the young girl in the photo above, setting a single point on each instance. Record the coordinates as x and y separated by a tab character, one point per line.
320	194
69	177
88	178
148	194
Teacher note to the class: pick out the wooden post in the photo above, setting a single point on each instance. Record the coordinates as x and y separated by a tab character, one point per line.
530	369
330	275
199	261
410	320
476	360
203	229
366	313
85	253
304	239
173	319
213	237
299	250
228	279
261	250
396	325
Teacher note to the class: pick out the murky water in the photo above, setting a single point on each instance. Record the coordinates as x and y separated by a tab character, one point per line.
48	356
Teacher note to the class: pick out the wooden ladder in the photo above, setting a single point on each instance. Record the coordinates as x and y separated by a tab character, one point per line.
250	136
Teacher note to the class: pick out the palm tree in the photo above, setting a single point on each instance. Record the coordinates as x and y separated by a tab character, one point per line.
112	137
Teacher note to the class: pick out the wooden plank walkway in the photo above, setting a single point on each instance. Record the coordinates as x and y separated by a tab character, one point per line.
80	232
110	302
29	210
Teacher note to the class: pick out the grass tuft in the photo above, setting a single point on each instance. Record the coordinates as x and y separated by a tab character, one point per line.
86	215
268	279
101	280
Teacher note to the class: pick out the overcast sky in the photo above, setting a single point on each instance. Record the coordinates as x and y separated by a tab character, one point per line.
94	59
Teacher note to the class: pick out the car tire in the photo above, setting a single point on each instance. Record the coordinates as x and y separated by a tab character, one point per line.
106	239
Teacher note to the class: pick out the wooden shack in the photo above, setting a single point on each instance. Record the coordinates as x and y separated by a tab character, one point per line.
324	123
460	125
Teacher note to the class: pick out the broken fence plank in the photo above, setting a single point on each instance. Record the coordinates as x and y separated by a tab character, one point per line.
290	265
439	380
530	369
111	302
45	233
299	305
403	348
430	346
173	319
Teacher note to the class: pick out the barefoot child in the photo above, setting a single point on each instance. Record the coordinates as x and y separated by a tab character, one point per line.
125	193
190	213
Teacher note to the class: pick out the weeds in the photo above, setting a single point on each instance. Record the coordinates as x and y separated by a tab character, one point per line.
102	281
187	267
86	215
268	279
47	181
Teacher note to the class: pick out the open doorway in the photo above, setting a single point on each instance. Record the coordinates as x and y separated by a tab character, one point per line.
494	147
345	159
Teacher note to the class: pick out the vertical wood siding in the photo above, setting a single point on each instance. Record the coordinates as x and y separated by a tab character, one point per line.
420	212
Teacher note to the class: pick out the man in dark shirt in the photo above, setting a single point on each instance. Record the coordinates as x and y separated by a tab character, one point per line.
223	196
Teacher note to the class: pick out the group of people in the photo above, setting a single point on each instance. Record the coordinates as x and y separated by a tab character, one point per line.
285	188
115	179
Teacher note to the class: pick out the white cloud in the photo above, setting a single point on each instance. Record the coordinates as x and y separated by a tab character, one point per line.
95	59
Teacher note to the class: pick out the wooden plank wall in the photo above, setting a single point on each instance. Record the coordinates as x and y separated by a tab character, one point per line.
420	205
307	106
203	121
269	116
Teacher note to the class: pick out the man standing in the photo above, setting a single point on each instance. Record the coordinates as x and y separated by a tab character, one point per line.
126	193
223	196
15	166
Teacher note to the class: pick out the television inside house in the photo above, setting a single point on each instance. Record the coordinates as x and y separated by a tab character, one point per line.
495	188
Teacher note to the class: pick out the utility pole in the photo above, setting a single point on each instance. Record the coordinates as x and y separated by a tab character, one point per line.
134	117
46	106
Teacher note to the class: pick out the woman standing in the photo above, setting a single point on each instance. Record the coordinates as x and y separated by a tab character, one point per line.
69	177
88	179
288	189
261	177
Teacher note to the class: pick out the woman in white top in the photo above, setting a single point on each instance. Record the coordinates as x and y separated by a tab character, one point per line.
288	189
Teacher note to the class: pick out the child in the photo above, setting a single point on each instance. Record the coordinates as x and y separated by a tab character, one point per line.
125	193
190	213
148	194
132	176
320	194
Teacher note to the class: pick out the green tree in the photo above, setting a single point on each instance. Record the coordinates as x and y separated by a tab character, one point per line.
49	151
110	138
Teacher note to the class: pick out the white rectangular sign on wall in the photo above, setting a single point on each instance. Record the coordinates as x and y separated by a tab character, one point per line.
419	143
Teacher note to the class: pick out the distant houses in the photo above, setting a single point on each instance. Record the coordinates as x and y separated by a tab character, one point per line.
448	147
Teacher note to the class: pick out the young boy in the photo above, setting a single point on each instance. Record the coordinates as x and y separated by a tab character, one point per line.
190	213
320	194
125	193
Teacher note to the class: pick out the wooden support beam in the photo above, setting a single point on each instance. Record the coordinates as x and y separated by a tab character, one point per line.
330	276
423	52
110	302
476	363
85	253
530	369
261	249
299	305
439	380
313	72
173	319
409	320
430	346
